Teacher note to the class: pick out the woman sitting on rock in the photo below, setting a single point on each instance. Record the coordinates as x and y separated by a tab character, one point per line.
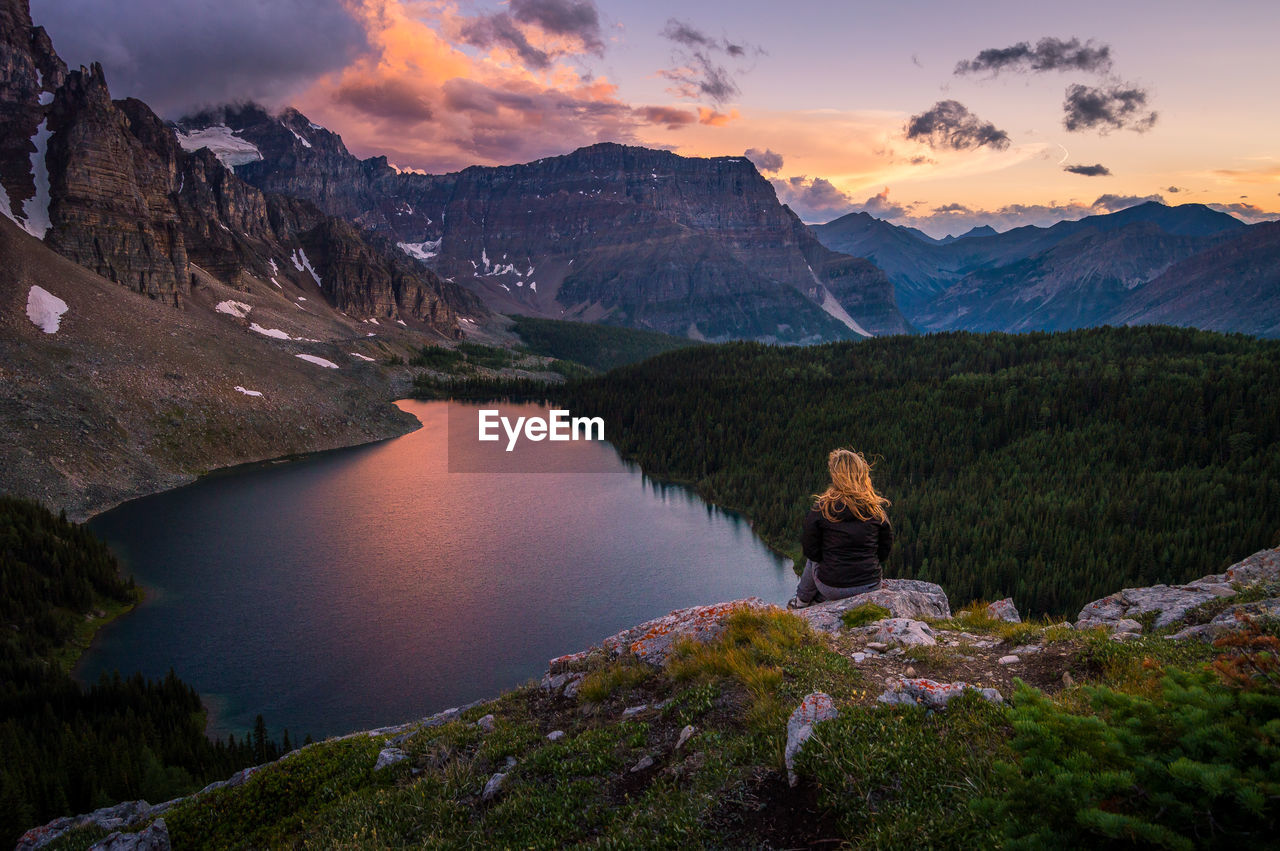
847	535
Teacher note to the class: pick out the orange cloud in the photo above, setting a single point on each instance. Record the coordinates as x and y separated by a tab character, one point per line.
715	118
440	90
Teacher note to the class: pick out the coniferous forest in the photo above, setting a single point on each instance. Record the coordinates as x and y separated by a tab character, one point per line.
67	748
1055	468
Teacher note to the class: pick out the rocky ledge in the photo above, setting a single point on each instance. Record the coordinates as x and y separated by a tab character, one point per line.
912	626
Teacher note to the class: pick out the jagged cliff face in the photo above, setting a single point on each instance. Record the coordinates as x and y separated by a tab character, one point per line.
614	233
109	185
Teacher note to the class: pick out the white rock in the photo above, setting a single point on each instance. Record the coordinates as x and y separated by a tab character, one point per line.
685	735
1004	610
388	757
904	598
646	761
486	723
814	709
493	786
634	710
903	632
555	735
1009	660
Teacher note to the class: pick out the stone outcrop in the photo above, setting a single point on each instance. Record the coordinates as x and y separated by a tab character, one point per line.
904	598
1168	605
1004	610
154	837
903	632
814	709
652	641
932	695
644	237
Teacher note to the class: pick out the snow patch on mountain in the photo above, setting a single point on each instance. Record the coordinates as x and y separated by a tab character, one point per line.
45	309
421	250
36	210
229	148
318	361
301	262
274	333
238	309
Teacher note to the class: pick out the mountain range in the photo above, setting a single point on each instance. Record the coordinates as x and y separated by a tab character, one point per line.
1151	263
626	235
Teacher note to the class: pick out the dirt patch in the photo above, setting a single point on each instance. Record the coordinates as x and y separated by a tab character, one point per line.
764	812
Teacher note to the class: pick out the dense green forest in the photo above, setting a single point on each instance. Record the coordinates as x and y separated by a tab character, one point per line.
70	749
600	347
1055	468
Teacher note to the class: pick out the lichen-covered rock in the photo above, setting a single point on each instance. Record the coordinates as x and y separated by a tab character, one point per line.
931	694
903	632
1004	610
1171	603
652	640
814	709
904	598
154	838
1124	625
1262	566
1228	620
114	818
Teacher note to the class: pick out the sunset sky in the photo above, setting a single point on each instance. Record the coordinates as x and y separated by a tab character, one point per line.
938	115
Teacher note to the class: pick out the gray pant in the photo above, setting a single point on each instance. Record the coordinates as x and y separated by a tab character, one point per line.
809	588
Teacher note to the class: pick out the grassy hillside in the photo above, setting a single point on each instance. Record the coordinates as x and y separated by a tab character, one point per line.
601	347
1051	467
1104	744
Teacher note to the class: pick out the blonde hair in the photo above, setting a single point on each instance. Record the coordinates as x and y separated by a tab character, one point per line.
850	488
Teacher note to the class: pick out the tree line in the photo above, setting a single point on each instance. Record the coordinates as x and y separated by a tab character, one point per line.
1055	468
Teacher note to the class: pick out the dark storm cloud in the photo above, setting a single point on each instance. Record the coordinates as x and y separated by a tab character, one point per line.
1118	106
1049	54
765	160
179	57
698	73
1115	203
388	99
949	124
1096	170
576	18
489	30
812	200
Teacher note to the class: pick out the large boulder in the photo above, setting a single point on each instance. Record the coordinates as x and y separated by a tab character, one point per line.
904	632
931	694
652	640
904	598
1004	610
814	709
1170	603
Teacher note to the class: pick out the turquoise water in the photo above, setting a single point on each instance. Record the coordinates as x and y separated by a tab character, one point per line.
369	586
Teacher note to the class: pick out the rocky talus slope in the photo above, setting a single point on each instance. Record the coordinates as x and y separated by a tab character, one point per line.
651	721
689	246
160	317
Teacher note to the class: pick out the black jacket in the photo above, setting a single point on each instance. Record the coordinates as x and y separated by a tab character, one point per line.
848	552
